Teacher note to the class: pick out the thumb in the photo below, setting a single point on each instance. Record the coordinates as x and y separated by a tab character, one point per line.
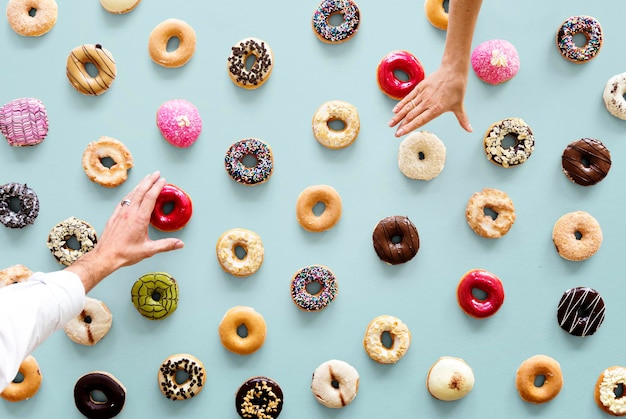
165	245
461	116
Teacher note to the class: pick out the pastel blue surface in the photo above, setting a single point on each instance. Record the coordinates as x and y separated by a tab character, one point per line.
561	101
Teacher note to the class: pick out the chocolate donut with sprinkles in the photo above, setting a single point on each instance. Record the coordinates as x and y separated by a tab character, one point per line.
249	175
28	207
191	387
259	397
306	300
574	25
330	34
581	311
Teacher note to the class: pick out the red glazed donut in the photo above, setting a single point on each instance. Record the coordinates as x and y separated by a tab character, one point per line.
486	282
402	61
181	209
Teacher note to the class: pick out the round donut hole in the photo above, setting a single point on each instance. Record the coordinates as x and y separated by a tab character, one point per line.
539	380
479	294
421	155
15	204
446	5
87	319
242	331
386	339
335	384
181	377
240	252
401	75
98	397
107	162
249	161
336	19
489	212
396	239
172	44
32	12
313	287
585	161
584	311
156	295
580	40
578	235
72	242
319	208
619	391
167	208
250	61
336	125
509	141
91	69
19	377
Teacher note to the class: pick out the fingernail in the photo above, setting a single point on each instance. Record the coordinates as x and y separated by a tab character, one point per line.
395	108
399	132
390	123
179	245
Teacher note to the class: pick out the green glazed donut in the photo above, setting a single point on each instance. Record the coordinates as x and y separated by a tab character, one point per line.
155	295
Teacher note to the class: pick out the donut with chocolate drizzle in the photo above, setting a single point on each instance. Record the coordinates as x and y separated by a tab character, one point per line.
586	161
396	240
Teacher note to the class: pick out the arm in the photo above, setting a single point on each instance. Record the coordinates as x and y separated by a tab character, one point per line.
443	90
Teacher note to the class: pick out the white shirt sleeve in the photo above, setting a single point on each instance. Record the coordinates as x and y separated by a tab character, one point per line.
31	311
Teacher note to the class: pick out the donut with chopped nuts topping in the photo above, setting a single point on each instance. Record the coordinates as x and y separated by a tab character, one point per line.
259	397
515	154
62	232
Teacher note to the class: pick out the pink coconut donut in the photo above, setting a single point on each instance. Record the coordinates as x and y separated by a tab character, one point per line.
179	122
495	61
24	122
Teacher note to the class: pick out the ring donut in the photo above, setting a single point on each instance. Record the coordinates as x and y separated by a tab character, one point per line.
113	390
539	366
91	325
155	295
486	282
336	110
400	339
436	14
107	148
335	383
28	205
31	376
586	161
239	171
173	209
421	156
577	236
14	274
24	122
62	232
317	301
255	76
396	240
331	34
517	153
250	242
259	397
309	198
162	34
613	96
574	25
487	225
399	61
580	311
605	391
254	325
190	365
80	78
23	22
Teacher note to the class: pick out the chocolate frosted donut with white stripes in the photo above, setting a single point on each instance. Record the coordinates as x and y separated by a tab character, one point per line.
395	239
80	78
581	311
586	161
27	205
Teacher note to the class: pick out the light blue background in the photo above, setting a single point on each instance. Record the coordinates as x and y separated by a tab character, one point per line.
559	100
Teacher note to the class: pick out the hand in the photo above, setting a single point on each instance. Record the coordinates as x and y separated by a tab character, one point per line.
440	92
124	240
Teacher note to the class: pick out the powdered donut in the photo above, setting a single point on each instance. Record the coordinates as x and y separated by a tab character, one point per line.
24	122
179	122
421	156
577	236
37	24
483	223
495	61
91	325
335	383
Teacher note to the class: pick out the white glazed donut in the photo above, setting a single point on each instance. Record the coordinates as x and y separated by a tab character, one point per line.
613	96
91	325
335	383
450	379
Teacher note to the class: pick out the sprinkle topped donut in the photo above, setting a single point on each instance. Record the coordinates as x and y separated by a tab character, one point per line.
249	175
179	122
330	34
24	122
585	25
306	300
495	61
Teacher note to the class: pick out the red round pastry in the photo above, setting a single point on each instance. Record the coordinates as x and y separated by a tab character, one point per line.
399	61
483	281
172	210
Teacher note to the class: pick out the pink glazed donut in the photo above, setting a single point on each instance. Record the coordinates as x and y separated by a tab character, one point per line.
24	122
486	282
179	122
495	61
402	61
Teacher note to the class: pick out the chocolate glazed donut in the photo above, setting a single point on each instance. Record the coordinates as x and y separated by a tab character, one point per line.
112	389
396	240
586	161
580	311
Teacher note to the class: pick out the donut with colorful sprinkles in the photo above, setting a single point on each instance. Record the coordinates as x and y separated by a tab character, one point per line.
239	171
574	25
331	34
305	299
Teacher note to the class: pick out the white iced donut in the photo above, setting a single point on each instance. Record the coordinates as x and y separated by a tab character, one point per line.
335	383
91	325
119	6
450	379
613	96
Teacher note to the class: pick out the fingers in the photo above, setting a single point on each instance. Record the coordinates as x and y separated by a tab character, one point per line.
165	245
415	120
461	116
138	194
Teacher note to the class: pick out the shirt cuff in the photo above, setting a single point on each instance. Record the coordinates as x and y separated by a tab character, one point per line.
68	290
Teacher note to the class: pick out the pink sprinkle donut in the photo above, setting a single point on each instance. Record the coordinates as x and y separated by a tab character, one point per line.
179	122
24	122
495	61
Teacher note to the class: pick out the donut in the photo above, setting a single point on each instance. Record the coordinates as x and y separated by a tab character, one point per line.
336	110
395	239
259	397
484	224
119	6
580	311
373	340
450	379
495	61
250	242
28	386
608	383
162	34
336	34
155	295
317	301
395	62
577	236
255	330
190	365
309	198
179	122
239	171
613	96
14	274
91	325
173	209
24	122
32	17
335	383
19	205
80	78
517	153
585	25
97	152
421	156
239	69
539	366
486	282
586	161
65	230
436	14
99	381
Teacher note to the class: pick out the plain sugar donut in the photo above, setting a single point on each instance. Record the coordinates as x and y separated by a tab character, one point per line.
28	387
538	366
421	156
254	324
20	19
436	14
373	340
309	198
161	35
577	236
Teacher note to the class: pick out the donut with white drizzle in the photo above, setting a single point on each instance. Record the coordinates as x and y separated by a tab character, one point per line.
581	311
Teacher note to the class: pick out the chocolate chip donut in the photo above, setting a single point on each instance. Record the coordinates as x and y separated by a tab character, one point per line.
396	240
586	161
28	205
